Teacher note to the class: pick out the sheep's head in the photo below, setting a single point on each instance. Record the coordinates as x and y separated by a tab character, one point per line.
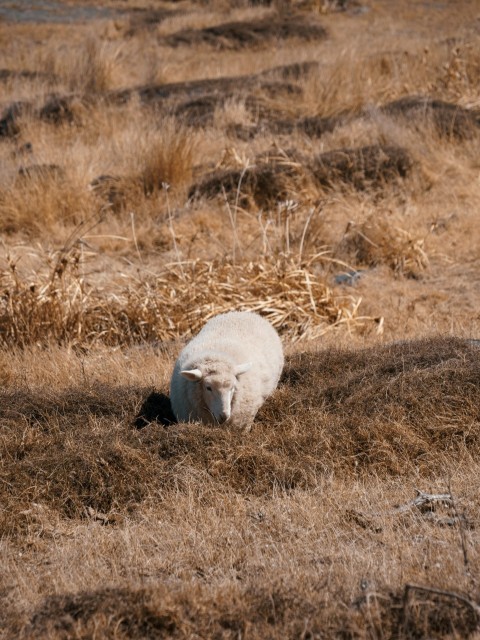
218	386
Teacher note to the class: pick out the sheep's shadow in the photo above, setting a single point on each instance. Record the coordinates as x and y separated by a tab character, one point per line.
155	408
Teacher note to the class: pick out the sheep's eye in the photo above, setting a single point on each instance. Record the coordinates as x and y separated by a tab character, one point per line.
208	388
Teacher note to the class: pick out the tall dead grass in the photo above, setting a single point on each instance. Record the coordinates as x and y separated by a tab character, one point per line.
42	197
87	67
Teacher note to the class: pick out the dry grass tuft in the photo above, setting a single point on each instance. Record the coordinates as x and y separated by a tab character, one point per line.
88	68
40	197
167	157
380	241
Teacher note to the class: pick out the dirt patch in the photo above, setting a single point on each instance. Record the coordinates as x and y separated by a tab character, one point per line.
255	33
449	119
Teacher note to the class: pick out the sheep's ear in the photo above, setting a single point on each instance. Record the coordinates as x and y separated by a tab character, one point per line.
194	375
242	368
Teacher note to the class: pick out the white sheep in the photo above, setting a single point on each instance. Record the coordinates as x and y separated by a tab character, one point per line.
225	373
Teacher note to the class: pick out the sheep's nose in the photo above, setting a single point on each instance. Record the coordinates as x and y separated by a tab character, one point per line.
223	416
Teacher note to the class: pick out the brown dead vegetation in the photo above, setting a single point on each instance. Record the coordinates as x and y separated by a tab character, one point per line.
339	184
377	242
268	182
61	307
406	407
255	33
177	613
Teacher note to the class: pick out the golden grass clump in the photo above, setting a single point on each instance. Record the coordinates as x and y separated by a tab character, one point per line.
87	68
166	156
62	307
41	197
152	159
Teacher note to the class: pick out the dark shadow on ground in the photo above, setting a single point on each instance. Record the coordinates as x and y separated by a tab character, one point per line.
155	408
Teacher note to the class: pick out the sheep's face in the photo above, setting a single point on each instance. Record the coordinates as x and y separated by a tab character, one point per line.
218	394
218	388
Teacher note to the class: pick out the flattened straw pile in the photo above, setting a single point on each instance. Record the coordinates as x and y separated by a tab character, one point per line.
293	298
63	307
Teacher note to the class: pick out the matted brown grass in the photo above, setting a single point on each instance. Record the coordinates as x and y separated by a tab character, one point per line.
341	440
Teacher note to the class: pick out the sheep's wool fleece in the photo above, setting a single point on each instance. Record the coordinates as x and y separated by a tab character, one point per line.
235	338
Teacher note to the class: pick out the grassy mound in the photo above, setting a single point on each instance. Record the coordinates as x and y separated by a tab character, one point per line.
399	409
253	33
274	179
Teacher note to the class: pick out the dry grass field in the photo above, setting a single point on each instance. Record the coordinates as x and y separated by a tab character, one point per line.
317	161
